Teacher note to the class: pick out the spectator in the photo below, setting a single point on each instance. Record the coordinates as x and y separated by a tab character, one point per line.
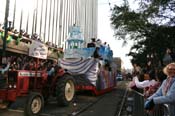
105	44
146	83
96	53
166	93
153	88
98	43
51	69
10	28
3	75
2	70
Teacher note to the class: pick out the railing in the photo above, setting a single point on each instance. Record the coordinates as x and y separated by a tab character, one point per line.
159	110
23	47
138	106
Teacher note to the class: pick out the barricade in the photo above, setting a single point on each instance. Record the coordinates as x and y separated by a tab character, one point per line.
138	106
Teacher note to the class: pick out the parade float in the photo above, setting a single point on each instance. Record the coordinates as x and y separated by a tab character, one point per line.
90	73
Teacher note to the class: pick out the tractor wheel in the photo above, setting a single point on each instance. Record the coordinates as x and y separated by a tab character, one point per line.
65	90
35	103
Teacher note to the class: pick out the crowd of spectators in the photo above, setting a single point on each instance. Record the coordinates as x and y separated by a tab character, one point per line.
22	35
24	62
157	84
166	92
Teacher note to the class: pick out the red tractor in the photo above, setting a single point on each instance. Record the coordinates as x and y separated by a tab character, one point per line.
35	88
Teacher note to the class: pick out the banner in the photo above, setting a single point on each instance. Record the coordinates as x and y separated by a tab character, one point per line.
38	50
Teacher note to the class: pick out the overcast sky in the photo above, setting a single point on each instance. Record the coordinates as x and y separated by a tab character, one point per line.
105	32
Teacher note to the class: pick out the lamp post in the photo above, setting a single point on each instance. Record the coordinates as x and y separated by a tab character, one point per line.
5	27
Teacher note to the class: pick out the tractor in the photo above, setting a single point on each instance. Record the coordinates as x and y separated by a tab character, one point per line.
34	86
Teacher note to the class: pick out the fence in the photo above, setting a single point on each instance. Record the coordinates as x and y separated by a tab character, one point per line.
136	101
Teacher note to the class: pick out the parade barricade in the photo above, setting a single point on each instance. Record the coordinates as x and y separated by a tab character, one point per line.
138	107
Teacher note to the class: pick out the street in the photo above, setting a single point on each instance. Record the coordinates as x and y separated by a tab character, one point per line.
85	105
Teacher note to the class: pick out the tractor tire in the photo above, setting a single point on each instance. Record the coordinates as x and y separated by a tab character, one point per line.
65	90
35	103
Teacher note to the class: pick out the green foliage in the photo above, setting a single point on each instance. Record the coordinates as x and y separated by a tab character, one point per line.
151	29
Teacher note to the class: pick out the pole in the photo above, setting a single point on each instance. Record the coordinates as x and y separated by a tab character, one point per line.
5	27
53	20
14	14
27	25
33	22
60	22
20	26
41	19
56	22
45	21
76	10
49	20
36	18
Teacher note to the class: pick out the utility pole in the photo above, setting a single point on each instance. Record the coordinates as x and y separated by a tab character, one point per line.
5	27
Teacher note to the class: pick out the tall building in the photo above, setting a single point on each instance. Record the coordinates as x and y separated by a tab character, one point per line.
51	19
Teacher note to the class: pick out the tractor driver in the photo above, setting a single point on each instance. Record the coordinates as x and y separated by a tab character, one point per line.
52	70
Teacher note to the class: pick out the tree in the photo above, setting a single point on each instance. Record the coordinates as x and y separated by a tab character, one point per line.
146	27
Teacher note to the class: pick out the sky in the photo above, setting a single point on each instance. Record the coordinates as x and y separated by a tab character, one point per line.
105	32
